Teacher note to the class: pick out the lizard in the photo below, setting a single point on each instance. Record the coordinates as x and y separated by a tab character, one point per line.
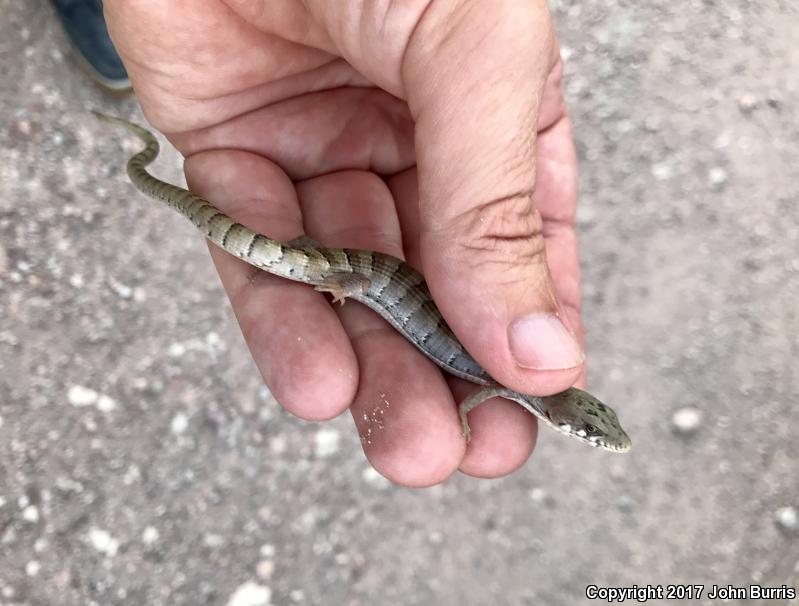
385	284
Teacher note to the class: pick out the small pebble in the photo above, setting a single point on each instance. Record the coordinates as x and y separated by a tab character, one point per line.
686	421
342	559
537	495
176	350
787	519
213	540
78	395
9	338
140	383
374	479
326	442
717	177
263	394
30	514
150	535
250	594
106	403
132	474
747	102
123	291
32	568
103	542
587	215
625	503
278	444
265	514
265	568
662	171
179	424
23	127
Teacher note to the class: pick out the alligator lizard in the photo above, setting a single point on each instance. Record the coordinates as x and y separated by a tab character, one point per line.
383	283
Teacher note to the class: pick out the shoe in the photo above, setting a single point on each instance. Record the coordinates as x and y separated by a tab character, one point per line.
85	26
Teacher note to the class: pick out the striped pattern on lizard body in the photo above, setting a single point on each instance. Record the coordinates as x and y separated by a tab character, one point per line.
387	285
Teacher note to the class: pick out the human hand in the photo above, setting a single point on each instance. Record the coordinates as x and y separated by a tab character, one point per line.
433	131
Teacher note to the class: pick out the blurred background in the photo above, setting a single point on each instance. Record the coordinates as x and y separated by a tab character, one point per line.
129	474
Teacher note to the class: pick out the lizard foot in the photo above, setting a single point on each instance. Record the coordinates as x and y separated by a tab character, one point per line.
343	284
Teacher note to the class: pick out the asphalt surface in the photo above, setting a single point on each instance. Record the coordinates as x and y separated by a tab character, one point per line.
130	475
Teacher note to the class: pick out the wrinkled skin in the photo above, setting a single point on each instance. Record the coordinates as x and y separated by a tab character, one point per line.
433	131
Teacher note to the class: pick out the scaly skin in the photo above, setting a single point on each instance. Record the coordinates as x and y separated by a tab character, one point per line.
385	284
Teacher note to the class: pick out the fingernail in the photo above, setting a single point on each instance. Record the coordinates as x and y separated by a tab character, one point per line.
542	342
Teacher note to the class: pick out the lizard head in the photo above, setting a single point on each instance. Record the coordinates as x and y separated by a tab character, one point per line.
581	415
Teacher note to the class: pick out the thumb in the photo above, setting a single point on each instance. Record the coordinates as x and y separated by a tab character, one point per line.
475	81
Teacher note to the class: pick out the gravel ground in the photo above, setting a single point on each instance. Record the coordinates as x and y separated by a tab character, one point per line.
130	475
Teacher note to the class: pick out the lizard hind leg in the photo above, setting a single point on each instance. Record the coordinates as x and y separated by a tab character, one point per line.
343	284
340	284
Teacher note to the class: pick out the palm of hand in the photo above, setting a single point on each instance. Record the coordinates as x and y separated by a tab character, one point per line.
287	137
